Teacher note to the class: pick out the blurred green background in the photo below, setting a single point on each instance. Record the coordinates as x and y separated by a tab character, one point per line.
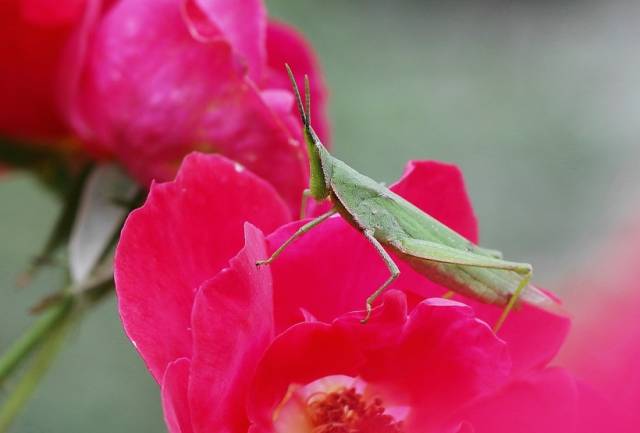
538	102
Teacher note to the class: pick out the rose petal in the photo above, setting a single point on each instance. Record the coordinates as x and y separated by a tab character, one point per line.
434	360
30	55
52	12
438	189
319	266
603	347
444	357
534	336
385	324
243	25
70	86
175	403
149	93
232	326
597	414
543	402
183	235
305	352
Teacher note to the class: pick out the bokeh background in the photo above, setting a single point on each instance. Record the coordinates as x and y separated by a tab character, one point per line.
538	102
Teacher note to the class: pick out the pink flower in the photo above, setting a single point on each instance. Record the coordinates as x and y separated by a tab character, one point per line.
151	80
604	346
280	349
34	33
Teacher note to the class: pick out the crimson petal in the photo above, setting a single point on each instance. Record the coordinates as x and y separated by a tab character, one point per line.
148	93
175	403
242	24
543	402
183	235
232	326
439	357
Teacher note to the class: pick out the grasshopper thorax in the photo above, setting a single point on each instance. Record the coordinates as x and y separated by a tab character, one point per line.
319	167
319	170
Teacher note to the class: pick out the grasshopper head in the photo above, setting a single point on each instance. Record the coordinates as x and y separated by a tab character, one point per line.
318	184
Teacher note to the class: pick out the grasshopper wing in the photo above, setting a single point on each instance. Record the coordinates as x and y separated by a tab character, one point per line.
440	253
485	278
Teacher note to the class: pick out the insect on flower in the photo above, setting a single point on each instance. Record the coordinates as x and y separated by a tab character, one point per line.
428	246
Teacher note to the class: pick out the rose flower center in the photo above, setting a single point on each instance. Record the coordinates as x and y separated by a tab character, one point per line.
336	404
346	411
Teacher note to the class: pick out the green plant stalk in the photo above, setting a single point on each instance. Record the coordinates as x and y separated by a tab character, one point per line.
36	370
38	333
79	297
45	338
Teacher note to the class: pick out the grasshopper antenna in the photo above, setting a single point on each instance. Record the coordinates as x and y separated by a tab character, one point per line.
307	98
296	91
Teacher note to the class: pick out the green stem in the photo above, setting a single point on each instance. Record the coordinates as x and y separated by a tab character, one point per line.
32	376
45	338
38	333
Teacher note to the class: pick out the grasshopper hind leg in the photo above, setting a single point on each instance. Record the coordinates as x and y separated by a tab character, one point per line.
439	253
513	299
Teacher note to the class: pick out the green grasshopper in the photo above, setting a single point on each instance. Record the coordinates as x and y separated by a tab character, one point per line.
387	220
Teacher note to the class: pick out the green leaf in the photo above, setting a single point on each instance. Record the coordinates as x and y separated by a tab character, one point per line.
59	236
99	218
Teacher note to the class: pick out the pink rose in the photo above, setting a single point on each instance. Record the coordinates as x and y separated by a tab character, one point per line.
603	348
238	348
148	81
34	34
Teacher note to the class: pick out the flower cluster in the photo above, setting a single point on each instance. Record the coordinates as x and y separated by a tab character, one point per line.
281	349
148	81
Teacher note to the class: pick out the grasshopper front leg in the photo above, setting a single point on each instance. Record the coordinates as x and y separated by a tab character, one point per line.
302	230
393	268
306	194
